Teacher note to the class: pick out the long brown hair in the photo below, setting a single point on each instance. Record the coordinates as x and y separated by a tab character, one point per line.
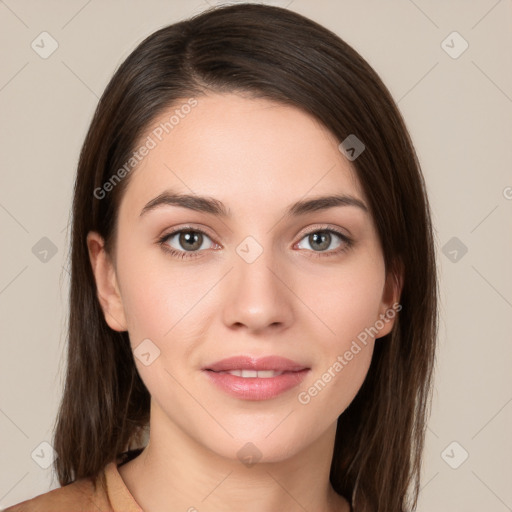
271	53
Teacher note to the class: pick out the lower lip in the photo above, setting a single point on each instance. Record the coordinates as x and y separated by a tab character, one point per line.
254	388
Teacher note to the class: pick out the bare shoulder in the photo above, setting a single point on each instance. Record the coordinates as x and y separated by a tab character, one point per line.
79	496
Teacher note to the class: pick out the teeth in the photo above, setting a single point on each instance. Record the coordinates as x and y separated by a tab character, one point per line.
261	374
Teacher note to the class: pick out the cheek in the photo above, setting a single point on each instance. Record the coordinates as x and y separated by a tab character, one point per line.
345	349
157	292
348	307
334	386
345	299
167	303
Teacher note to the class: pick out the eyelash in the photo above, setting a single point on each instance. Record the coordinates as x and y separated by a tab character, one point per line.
348	242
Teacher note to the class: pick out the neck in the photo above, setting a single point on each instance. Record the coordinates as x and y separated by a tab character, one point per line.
176	473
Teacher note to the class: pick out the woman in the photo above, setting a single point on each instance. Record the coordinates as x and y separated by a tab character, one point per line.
253	280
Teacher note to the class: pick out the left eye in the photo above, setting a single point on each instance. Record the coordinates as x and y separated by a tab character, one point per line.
321	239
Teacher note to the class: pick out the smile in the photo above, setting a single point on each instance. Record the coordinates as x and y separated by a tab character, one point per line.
255	384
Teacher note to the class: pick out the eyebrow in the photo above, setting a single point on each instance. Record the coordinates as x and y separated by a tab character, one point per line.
216	207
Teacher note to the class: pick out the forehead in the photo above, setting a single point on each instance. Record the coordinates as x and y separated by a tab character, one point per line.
248	153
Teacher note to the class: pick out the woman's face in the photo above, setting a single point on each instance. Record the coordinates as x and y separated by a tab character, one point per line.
257	282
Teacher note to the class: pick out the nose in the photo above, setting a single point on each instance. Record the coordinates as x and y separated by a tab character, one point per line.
257	294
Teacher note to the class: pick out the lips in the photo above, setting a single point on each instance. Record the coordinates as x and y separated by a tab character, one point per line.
250	378
268	363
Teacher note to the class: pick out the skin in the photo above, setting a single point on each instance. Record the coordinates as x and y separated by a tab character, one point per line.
257	157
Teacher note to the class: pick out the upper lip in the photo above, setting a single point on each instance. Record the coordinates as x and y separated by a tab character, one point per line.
277	363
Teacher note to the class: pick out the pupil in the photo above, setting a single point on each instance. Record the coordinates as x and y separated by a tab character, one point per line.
189	238
323	236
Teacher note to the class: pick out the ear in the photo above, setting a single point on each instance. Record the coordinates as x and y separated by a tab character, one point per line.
106	283
390	306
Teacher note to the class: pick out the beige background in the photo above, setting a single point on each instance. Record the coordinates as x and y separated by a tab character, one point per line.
459	112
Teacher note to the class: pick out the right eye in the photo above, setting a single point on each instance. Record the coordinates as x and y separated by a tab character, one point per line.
188	242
